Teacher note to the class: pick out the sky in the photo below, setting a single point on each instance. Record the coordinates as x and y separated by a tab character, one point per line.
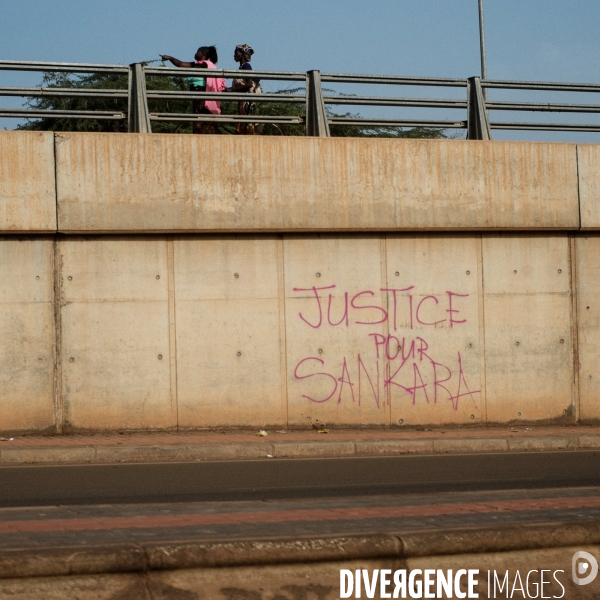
544	40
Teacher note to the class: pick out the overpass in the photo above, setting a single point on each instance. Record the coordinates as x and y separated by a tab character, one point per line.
162	282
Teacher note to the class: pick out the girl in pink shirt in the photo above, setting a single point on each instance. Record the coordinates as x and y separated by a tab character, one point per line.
206	58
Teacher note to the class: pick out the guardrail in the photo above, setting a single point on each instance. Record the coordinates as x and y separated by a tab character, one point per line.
48	67
317	120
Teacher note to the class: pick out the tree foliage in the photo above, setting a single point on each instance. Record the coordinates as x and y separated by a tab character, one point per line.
120	82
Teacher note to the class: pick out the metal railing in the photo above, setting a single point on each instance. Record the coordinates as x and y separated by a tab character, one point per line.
37	92
314	97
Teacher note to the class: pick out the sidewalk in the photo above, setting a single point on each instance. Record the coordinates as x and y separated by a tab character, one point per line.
243	445
287	550
88	526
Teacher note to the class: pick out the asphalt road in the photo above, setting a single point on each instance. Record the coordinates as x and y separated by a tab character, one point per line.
289	479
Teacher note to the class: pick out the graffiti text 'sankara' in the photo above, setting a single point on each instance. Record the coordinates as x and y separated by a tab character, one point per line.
401	363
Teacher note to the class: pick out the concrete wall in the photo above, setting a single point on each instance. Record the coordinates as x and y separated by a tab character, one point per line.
588	158
137	183
386	328
349	329
27	182
27	335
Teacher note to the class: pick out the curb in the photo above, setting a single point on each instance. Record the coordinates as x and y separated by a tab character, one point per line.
110	454
141	558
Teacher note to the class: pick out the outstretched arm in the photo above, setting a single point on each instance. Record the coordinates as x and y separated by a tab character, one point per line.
176	61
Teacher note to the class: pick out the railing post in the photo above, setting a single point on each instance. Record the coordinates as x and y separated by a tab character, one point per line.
478	126
316	115
139	116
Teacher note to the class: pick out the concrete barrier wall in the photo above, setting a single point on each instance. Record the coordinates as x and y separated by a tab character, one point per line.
27	184
121	183
166	330
589	185
158	183
352	329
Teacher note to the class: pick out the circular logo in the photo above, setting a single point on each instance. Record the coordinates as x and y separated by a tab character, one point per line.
585	568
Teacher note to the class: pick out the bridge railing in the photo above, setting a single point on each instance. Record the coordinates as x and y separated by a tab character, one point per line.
288	76
312	93
51	67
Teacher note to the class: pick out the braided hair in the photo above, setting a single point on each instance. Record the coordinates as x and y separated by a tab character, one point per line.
210	52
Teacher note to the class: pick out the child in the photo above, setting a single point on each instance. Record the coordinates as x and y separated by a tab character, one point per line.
206	58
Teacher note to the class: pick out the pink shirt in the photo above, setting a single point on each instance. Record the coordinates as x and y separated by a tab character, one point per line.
213	84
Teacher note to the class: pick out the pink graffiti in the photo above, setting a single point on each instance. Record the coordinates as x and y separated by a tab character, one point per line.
346	309
416	374
400	362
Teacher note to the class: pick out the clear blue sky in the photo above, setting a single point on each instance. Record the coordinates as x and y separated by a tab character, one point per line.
552	40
